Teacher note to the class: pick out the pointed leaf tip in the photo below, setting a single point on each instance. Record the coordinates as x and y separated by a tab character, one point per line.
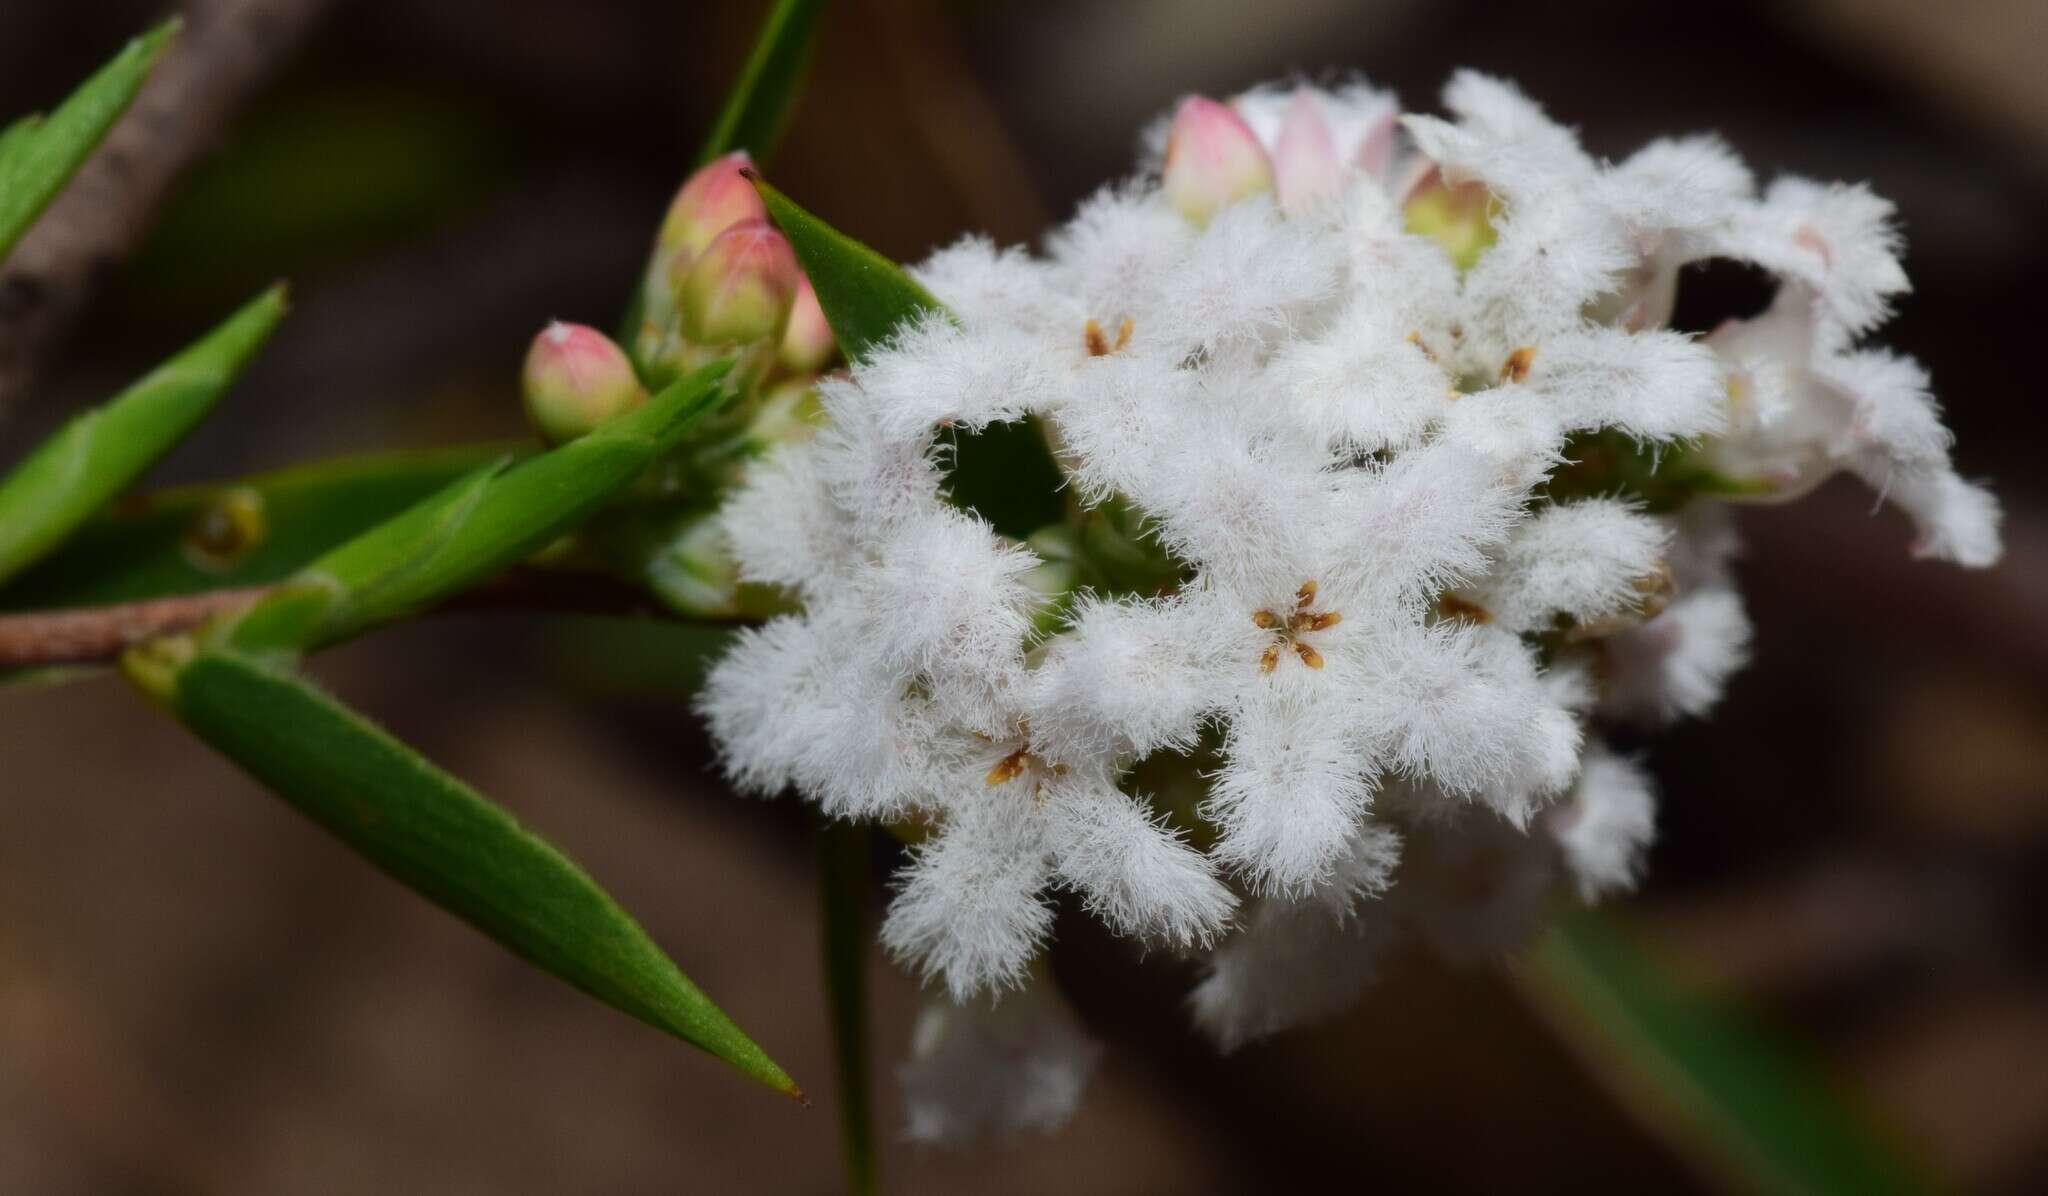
441	838
37	157
152	41
101	452
866	297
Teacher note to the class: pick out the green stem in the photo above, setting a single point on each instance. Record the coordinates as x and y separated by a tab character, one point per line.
843	893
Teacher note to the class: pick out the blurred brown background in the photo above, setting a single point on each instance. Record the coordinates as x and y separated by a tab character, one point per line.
199	992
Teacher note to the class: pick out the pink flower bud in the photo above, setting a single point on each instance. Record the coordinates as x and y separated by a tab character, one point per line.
1375	153
741	287
807	344
1212	160
711	201
1305	165
576	379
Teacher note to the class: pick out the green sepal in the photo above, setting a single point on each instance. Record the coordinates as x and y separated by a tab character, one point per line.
676	552
101	452
1663	476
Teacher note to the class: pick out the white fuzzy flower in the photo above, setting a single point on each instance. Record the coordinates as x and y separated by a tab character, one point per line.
1606	825
1675	665
1298	960
973	909
1581	560
1805	406
1385	486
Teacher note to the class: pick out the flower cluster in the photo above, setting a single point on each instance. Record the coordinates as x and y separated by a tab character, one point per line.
1320	654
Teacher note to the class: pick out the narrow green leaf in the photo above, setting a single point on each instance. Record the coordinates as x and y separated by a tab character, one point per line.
248	531
758	106
843	892
438	837
37	157
1717	1087
97	455
472	528
15	137
865	296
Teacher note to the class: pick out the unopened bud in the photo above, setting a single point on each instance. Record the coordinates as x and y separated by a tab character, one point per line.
691	568
741	287
1375	152
710	201
1458	216
1212	160
576	379
1305	166
789	411
807	344
777	414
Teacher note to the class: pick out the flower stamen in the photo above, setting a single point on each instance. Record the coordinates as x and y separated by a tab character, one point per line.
1098	342
1517	365
1451	606
1288	631
1023	762
1010	767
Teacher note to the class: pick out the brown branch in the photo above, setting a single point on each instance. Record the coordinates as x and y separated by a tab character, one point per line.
229	48
99	634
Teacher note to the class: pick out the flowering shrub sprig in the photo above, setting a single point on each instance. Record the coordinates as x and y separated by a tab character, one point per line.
1262	566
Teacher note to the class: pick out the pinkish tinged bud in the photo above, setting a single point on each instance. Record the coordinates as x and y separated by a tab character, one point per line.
711	201
576	379
1375	153
1305	165
741	287
807	344
1212	160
